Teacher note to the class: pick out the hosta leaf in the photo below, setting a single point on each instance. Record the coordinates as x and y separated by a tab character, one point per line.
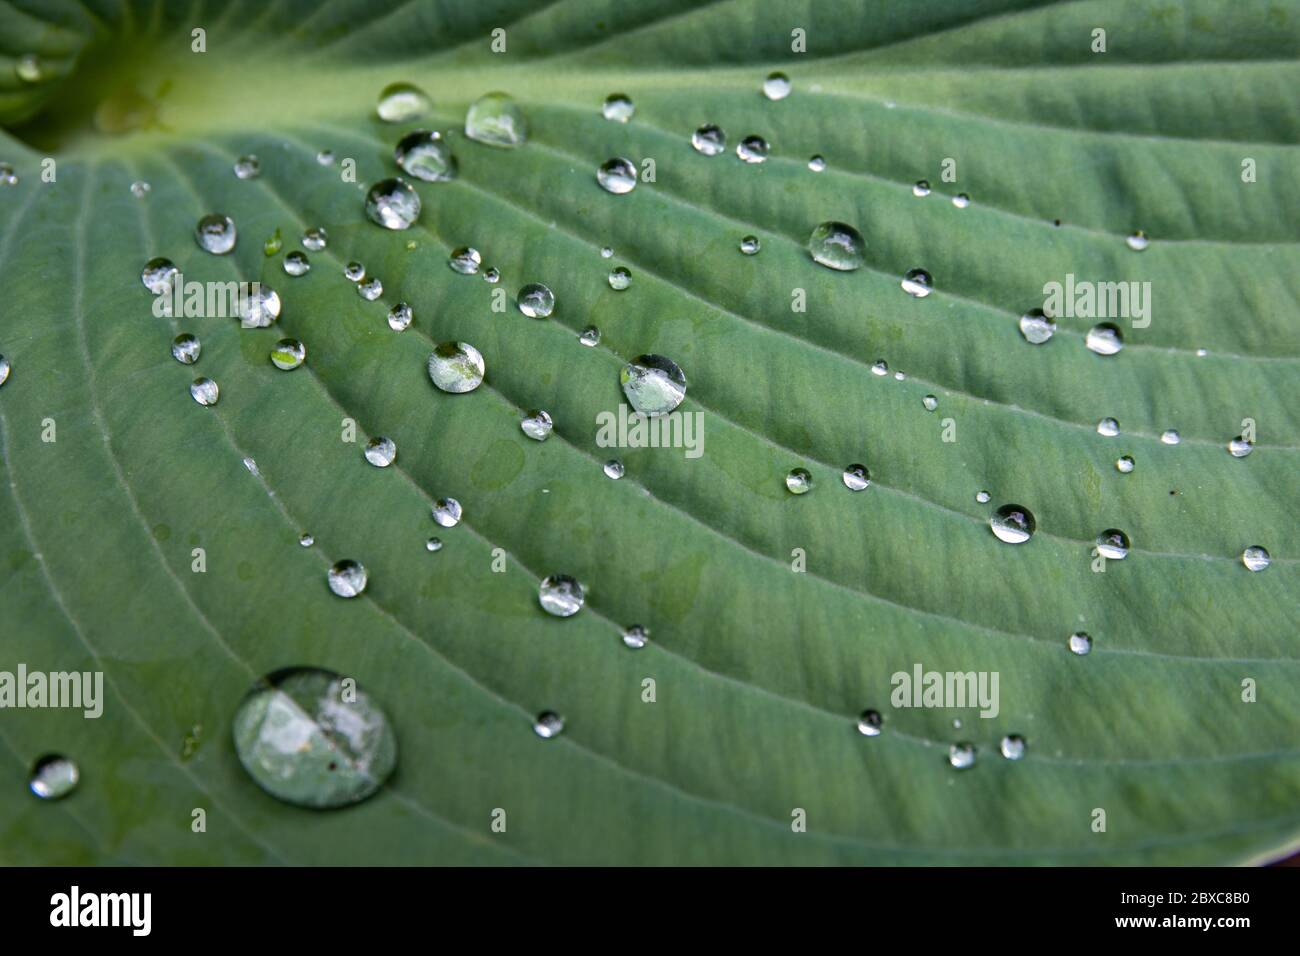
1181	723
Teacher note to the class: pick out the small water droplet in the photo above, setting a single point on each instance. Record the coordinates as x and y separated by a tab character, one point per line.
1240	448
425	155
251	465
158	275
982	497
752	149
248	167
1036	327
140	189
288	354
53	776
930	403
1108	427
535	301
870	723
961	200
1124	464
28	68
380	451
1081	643
1138	241
371	289
921	188
215	233
314	239
1170	437
433	544
619	278
617	176
548	724
1104	339
606	252
306	540
618	107
446	512
1113	544
347	578
393	204
880	367
1013	524
962	755
917	283
536	424
590	336
185	349
1201	353
561	595
799	481
613	469
491	275
465	260
750	245
1255	558
1013	746
838	246
354	271
856	477
635	637
311	739
817	163
456	367
496	120
899	376
402	103
776	86
7	175
325	157
709	140
399	317
296	264
205	391
654	385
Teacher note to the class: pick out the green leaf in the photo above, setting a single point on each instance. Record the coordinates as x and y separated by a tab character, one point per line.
760	672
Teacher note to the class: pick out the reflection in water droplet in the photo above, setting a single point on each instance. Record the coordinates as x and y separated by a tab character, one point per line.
314	239
917	283
750	245
53	776
535	301
752	149
1013	524
1113	544
1240	448
548	724
140	189
709	140
1124	464
205	391
870	723
393	203
962	755
251	465
371	289
347	578
590	336
248	167
288	354
399	317
433	544
536	425
306	540
619	278
1138	241
1255	558
613	469
617	176
425	155
1170	437
1104	339
1036	327
654	385
961	200
856	477
776	86
402	103
817	163
380	451
930	403
1108	427
880	367
561	595
491	275
837	245
496	120
215	233
325	157
618	107
799	481
1080	643
982	497
635	637
296	264
446	512
185	349
456	367
308	737
158	275
259	306
464	260
1013	746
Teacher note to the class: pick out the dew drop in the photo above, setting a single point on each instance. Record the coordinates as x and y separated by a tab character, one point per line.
536	424
1124	464
53	776
288	354
870	723
1138	241
752	149
296	264
619	278
962	756
921	188
1013	524
654	385
917	283
799	481
880	367
535	301
496	120
1113	544
456	367
393	203
1013	746
617	176
215	233
446	512
1240	448
347	578
590	336
1036	327
313	739
548	724
248	167
492	276
205	391
1255	558
380	451
425	155
306	540
325	157
856	477
402	103
817	163
354	271
140	189
776	86
7	175
314	239
399	317
618	107
185	349
560	595
750	245
370	290
1170	437
465	260
158	275
1104	339
709	140
961	200
1108	427
930	403
982	497
635	637
1080	643
259	306
838	246
613	469
433	544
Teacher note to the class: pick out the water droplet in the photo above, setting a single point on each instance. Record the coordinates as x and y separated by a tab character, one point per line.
752	149
618	107
561	595
251	465
654	385
447	512
917	283
393	203
1108	427
982	497
1138	241
1113	544
205	391
158	275
185	349
535	301
259	306
308	738
1013	746
347	578
606	252
325	157
426	155
1036	327
1080	643
53	776
456	367
215	233
314	239
750	245
962	755
799	481
930	403
140	189
354	271
817	163
433	544
288	354
1104	339
1170	437
635	637
380	451
870	723
613	469
709	140
248	167
370	290
619	278
961	200
28	68
880	367
1255	558
491	275
7	175
1013	524
776	86
617	176
399	317
402	103
1124	464
536	425
464	260
837	245
590	336
1240	448
296	264
856	477
921	188
1201	353
495	119
306	540
548	725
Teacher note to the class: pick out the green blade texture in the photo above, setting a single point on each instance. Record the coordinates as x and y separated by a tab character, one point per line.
749	752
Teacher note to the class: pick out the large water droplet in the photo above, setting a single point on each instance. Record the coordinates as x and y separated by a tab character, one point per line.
1113	544
856	477
1255	558
215	233
535	301
402	103
53	776
560	595
446	512
308	737
456	367
837	245
619	279
536	425
158	275
1013	524
393	203
185	349
205	391
496	120
465	260
347	578
399	317
799	481
776	86
1104	339
870	723
1239	447
1013	746
548	724
248	167
288	354
259	306
381	451
617	176
1036	327
654	385
1081	643
709	140
917	283
752	149
426	155
618	107
962	755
